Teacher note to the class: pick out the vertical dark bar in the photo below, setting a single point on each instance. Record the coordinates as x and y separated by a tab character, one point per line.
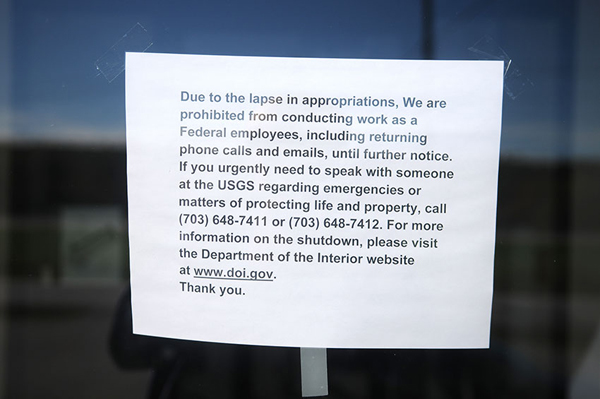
427	29
566	12
4	254
5	131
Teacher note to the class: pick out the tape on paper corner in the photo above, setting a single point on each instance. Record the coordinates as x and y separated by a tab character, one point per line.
515	82
112	63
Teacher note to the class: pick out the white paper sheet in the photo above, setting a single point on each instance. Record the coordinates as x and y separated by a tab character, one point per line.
313	202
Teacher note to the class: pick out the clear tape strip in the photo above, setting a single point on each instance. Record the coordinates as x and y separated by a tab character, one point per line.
515	82
112	63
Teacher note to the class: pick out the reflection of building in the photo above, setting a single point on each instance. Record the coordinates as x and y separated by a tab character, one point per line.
59	199
546	252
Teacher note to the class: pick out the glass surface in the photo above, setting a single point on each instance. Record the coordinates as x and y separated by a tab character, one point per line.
65	324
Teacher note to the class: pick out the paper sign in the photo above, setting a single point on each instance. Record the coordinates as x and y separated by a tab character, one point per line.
313	202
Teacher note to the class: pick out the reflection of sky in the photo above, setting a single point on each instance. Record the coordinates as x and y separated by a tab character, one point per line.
58	94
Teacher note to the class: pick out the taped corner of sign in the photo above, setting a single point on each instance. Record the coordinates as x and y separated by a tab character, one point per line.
515	82
112	63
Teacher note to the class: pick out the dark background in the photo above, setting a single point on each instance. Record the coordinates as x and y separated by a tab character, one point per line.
62	148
